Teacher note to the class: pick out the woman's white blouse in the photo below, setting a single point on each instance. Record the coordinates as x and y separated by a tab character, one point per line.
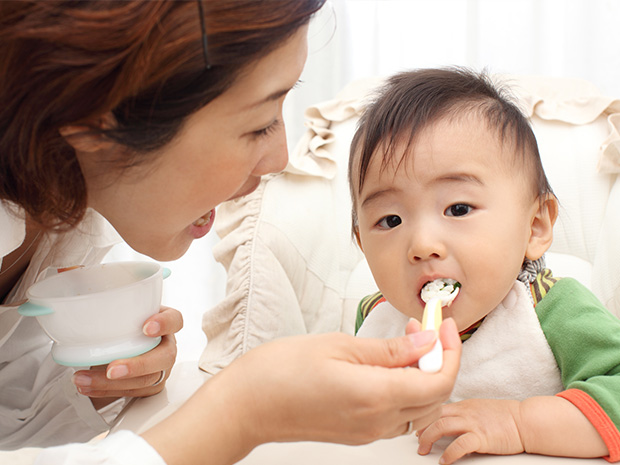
39	405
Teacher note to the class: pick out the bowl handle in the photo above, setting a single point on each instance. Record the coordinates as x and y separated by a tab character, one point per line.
30	309
166	272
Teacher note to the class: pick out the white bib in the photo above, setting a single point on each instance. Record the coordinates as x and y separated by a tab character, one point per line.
508	356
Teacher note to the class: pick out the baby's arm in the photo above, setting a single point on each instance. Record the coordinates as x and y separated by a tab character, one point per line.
539	425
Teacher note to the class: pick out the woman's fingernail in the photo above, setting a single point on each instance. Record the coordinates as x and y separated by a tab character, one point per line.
152	328
117	371
82	380
423	337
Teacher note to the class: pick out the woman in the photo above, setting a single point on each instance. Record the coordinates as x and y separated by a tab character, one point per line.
150	114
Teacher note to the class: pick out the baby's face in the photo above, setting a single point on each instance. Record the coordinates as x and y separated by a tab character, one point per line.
459	206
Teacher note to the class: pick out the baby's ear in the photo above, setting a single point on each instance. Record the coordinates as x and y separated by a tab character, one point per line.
356	233
541	233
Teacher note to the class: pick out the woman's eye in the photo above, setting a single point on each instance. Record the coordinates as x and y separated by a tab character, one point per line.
267	130
389	222
458	209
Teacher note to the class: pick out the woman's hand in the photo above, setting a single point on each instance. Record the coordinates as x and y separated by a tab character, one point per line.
337	388
327	387
139	376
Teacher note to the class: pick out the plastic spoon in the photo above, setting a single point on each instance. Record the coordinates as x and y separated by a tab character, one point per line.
432	361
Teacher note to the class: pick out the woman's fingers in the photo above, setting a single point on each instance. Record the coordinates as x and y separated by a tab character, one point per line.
419	394
134	377
413	326
139	376
160	358
420	388
334	387
97	385
449	334
396	352
419	417
405	351
451	342
167	321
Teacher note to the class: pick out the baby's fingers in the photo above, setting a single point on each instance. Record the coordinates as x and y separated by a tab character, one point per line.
445	426
460	447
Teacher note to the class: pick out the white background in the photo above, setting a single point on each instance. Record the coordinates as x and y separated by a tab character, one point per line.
353	39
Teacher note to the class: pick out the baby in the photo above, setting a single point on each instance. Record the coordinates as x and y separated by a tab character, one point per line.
447	184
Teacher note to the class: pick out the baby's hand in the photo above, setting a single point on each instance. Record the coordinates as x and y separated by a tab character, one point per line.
480	425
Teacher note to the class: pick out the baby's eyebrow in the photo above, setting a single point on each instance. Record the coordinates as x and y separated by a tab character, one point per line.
375	195
456	177
460	178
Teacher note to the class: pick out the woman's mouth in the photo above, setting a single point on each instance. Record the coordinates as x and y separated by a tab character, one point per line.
202	225
204	219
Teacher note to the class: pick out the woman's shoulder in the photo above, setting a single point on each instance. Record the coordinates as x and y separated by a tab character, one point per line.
12	228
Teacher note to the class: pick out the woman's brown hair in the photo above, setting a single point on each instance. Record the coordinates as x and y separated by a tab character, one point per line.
68	63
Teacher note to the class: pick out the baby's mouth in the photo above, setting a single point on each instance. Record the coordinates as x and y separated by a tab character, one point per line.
445	289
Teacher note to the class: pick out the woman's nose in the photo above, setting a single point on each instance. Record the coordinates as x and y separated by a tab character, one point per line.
274	158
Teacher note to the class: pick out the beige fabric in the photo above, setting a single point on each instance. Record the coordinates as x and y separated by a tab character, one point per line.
293	268
25	456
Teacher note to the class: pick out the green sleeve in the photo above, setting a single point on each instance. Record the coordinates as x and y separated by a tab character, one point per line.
365	307
359	318
585	339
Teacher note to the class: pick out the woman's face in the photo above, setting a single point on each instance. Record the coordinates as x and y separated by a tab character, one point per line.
220	154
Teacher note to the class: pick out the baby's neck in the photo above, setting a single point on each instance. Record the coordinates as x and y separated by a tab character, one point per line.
467	332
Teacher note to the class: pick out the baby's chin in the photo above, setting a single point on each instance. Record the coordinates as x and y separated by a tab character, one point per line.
462	325
410	309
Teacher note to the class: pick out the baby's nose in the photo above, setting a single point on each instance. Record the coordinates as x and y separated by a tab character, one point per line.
426	246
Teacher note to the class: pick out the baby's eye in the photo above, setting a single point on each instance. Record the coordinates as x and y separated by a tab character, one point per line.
389	222
458	209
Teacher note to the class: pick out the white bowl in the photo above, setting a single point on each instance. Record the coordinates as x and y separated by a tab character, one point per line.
95	314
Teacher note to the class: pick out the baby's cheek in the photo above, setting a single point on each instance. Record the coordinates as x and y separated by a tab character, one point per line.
401	302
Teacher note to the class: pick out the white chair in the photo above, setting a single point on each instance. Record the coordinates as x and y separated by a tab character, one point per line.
293	268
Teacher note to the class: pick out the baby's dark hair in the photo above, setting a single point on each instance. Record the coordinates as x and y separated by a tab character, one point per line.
411	101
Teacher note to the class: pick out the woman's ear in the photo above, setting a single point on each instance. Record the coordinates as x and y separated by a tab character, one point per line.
541	232
83	139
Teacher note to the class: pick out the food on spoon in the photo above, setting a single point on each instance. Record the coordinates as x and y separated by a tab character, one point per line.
437	294
442	288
